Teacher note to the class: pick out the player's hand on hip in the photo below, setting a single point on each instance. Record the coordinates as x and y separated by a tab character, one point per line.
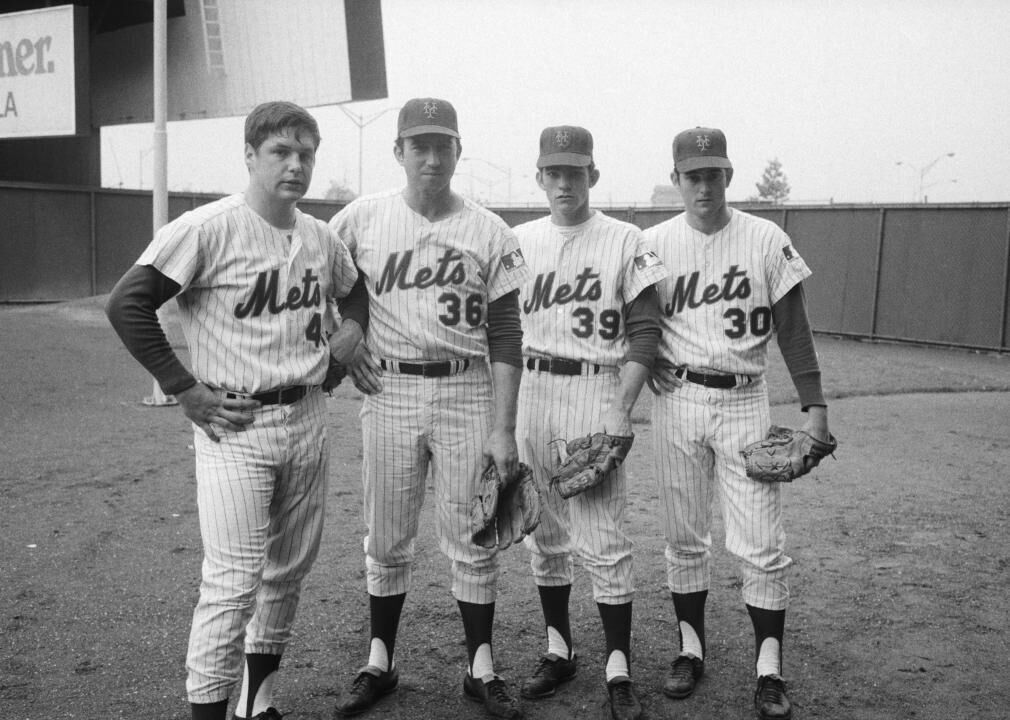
365	371
208	408
500	448
662	378
344	342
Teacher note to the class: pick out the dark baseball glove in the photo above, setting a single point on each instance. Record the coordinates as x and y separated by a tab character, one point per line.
589	460
785	454
335	373
504	512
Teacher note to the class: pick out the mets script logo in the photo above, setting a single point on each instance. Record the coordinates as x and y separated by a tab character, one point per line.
562	138
265	295
430	110
704	142
448	270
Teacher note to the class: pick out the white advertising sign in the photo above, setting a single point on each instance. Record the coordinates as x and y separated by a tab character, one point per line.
39	50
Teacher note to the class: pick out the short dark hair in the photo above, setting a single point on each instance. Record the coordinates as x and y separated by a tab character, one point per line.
728	172
276	116
459	145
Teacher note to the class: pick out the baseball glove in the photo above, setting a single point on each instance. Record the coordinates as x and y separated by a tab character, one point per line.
785	454
335	373
589	460
504	512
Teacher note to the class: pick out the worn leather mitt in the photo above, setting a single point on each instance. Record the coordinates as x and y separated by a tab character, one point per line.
785	454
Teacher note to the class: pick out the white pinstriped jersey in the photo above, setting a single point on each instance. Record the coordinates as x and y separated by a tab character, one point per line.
716	306
573	306
429	283
253	296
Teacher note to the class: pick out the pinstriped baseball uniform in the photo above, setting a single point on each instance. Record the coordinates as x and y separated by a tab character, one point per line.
582	276
429	284
717	319
252	308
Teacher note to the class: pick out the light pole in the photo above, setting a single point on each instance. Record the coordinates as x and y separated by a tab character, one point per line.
507	171
141	154
361	121
920	197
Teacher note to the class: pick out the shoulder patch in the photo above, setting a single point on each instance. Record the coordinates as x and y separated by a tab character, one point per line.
647	260
513	260
790	254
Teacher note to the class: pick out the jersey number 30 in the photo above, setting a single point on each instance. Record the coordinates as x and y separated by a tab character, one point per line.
760	322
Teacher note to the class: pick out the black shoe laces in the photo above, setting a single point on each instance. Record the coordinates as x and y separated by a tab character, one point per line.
361	683
622	694
543	667
772	692
496	689
683	669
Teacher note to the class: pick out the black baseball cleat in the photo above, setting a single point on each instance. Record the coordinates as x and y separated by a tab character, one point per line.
685	672
624	704
551	671
369	685
770	699
270	713
495	696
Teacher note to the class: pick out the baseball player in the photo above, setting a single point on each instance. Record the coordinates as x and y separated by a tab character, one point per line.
737	279
590	332
441	363
251	274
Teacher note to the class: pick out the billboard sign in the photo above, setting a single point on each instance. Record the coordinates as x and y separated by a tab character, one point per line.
227	56
44	73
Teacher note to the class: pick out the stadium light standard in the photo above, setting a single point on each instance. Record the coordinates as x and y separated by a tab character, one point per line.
361	121
923	171
507	171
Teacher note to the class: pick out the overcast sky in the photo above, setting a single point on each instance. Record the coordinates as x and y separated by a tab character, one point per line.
840	91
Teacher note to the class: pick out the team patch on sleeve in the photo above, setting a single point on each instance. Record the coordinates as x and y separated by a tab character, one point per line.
648	260
513	260
790	253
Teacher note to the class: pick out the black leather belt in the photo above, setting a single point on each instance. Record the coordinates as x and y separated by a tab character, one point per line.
427	369
562	366
721	382
281	396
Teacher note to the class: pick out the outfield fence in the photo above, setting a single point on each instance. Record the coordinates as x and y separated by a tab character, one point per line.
934	274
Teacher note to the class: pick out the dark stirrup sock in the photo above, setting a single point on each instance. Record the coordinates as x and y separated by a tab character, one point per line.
617	628
385	620
260	665
554	601
690	608
210	711
478	622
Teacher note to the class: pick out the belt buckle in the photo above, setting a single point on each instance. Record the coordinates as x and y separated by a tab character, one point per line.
430	369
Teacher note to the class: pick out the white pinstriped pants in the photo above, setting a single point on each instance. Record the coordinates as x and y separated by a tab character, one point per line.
564	407
699	433
261	496
414	425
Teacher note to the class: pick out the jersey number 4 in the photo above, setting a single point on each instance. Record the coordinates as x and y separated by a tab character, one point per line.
759	322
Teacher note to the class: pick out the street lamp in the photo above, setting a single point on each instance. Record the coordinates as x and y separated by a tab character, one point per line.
506	170
361	121
920	197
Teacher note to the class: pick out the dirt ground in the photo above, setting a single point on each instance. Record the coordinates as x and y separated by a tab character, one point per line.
900	583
